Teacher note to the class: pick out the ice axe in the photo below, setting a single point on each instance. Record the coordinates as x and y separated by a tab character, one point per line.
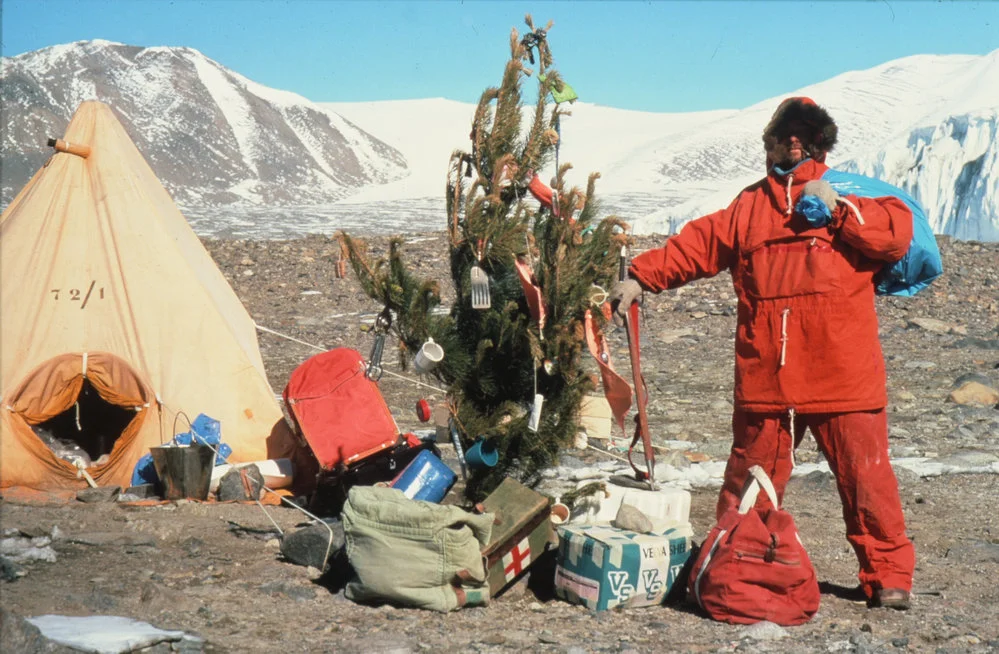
641	396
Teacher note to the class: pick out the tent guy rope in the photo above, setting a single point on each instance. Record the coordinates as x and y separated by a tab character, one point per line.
323	349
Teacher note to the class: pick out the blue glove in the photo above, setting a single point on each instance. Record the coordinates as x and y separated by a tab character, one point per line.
818	199
814	210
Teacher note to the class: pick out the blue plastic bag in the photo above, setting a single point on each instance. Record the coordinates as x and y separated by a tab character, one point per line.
921	263
145	471
207	430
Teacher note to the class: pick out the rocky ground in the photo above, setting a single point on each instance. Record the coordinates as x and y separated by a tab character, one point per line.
214	571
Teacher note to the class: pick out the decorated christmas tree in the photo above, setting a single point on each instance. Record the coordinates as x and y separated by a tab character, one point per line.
527	261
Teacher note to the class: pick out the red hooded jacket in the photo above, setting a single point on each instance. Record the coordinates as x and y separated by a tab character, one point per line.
807	334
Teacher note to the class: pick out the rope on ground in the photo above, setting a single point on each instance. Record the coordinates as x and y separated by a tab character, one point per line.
613	456
290	338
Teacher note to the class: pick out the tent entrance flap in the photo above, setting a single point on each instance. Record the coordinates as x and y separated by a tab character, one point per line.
90	409
87	430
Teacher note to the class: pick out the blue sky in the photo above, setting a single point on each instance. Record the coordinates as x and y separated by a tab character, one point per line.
650	56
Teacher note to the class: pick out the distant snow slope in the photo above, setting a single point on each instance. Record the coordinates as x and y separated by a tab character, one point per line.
925	123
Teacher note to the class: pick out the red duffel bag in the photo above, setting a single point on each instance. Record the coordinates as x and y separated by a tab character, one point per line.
752	565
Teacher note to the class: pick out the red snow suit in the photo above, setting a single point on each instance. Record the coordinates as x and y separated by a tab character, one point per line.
806	343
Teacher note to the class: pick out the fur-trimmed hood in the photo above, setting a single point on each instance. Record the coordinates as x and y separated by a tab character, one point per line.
802	109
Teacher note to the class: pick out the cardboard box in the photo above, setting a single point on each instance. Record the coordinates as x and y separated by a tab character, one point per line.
595	416
602	567
521	534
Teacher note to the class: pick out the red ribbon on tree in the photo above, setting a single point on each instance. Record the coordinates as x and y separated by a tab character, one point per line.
535	302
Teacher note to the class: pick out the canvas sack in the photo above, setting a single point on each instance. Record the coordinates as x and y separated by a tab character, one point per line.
752	565
414	553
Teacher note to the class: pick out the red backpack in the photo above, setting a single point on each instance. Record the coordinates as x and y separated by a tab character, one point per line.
340	412
752	565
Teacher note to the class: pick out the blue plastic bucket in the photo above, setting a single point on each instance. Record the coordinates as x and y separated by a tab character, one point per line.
425	478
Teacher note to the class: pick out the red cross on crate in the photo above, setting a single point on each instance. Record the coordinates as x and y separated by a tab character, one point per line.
515	559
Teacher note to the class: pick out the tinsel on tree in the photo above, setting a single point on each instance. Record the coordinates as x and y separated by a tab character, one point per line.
500	218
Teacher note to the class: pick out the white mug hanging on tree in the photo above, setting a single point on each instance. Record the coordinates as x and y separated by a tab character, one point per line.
427	358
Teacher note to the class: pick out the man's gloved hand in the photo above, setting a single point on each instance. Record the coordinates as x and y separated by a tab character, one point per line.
623	295
817	202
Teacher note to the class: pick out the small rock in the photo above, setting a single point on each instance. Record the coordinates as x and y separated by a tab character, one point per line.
99	494
630	518
975	393
904	476
308	546
672	335
930	325
817	479
981	378
10	571
142	491
112	539
19	635
241	483
547	637
27	532
764	631
899	642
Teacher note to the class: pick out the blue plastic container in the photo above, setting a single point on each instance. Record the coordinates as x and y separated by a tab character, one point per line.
425	478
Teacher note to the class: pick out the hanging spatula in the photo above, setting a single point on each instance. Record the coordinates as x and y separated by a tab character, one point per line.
480	284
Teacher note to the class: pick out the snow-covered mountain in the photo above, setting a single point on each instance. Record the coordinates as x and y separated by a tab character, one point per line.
928	123
211	135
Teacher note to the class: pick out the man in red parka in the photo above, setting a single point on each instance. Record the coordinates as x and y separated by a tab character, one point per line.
807	354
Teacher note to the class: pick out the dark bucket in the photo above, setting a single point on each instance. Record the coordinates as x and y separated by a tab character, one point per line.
184	472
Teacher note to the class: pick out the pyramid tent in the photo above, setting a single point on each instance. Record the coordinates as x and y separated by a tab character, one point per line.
115	321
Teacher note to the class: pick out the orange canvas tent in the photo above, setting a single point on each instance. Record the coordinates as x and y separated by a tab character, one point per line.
114	320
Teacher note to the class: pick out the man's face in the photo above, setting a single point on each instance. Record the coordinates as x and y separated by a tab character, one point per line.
791	140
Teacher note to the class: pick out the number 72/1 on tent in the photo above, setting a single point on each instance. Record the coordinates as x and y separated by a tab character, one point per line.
77	295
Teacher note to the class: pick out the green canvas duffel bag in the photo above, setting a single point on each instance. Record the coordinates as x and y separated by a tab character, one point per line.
414	553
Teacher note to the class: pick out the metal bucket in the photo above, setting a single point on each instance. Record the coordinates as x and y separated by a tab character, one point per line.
184	472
